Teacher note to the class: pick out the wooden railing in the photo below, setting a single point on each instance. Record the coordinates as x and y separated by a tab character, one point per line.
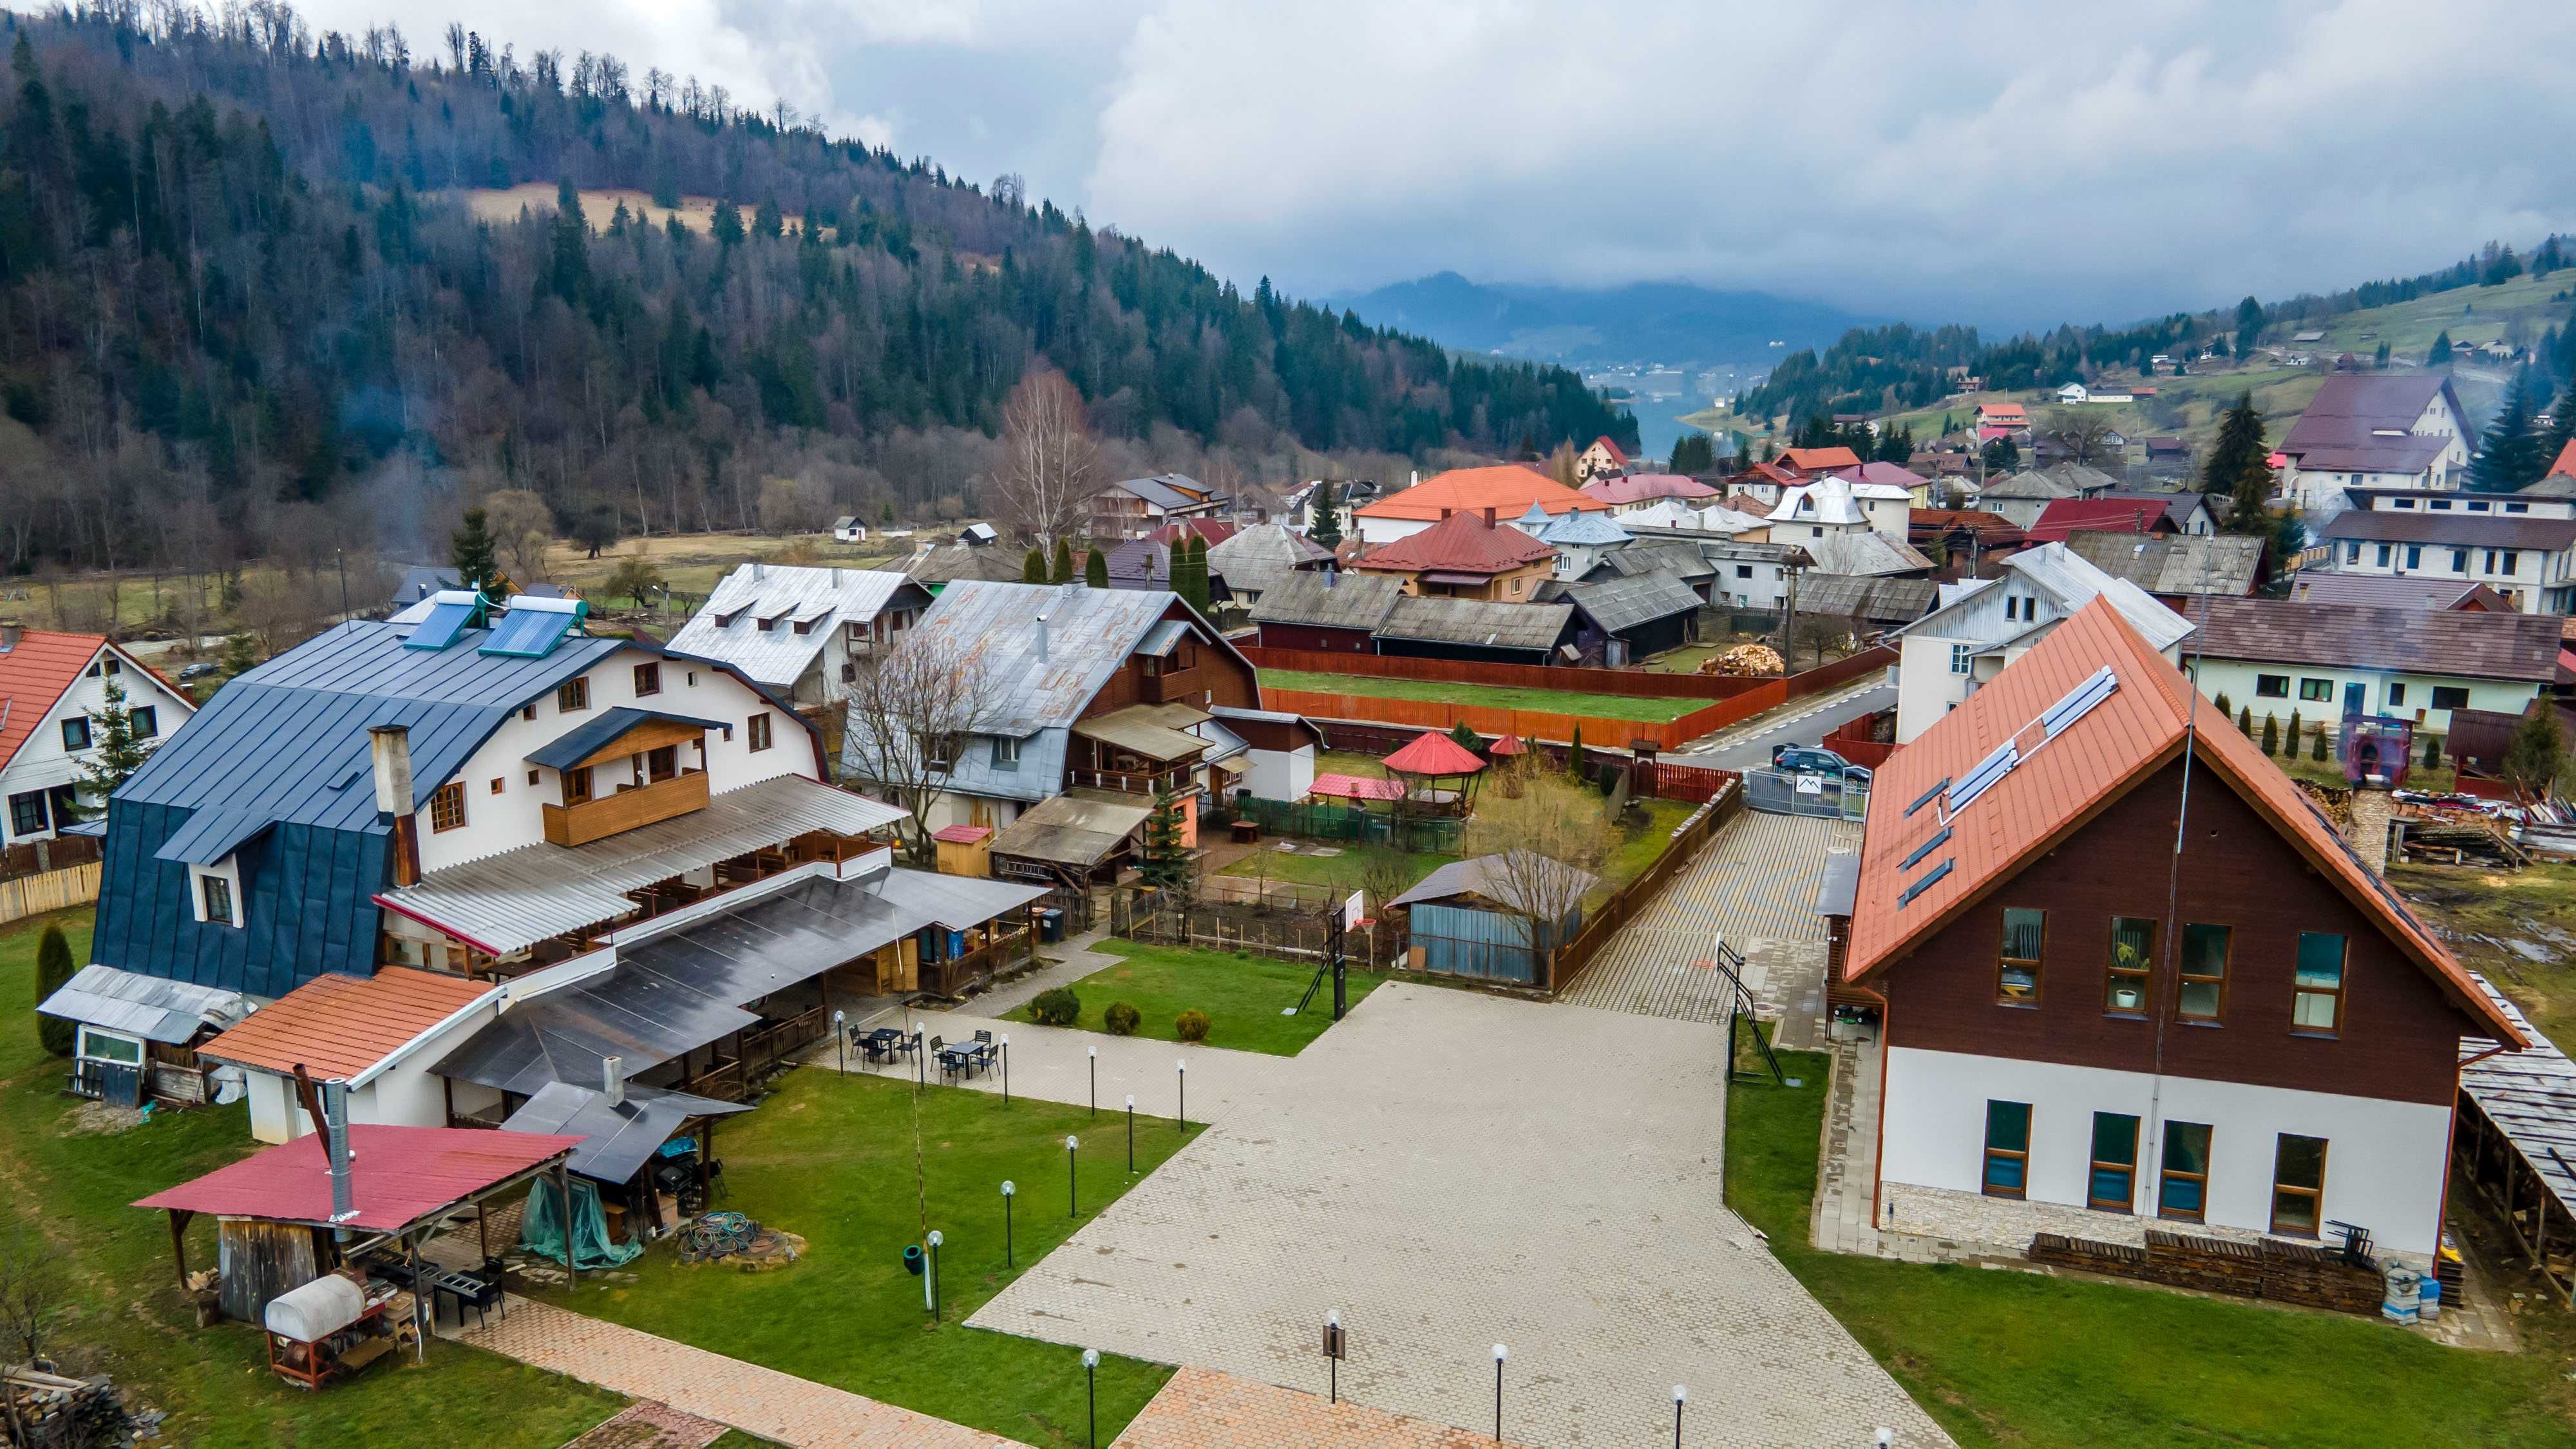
625	810
1133	782
952	977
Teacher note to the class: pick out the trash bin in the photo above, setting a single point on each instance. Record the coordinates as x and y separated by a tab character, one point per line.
1050	924
912	1259
2403	1301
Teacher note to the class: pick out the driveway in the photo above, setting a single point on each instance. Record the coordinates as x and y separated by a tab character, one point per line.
1799	722
1451	1170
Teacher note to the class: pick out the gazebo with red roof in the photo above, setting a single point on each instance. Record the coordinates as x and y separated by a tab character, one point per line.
1430	759
1507	746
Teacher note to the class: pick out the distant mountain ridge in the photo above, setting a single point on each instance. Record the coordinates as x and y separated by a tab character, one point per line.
1674	323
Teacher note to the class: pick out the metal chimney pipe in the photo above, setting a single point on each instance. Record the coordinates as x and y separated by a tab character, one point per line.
335	1148
390	747
612	1085
11	631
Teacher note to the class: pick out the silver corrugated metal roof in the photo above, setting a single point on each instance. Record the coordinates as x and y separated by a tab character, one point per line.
2192	563
1163	638
1618	604
1256	558
1330	600
1865	552
754	592
1089	635
1139	730
618	1138
511	901
1477	622
2530	1095
1484	875
151	1007
2074	581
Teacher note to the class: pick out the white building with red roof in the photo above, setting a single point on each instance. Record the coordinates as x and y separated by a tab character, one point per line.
1602	459
53	688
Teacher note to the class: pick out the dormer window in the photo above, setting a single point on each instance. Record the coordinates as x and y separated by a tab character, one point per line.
216	892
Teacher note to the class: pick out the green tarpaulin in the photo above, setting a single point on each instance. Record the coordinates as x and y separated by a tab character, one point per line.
541	1227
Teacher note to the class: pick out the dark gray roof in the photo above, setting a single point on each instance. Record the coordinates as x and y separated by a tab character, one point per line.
2362	421
1485	875
1840	886
617	1138
2064	480
950	562
1870	598
1329	600
1678	558
2468	531
2188	563
1618	604
2388	591
1534	627
2518	647
1160	492
573	746
1257	558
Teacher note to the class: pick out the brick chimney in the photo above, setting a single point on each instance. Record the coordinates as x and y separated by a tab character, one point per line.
1444	515
390	746
2374	813
1489	518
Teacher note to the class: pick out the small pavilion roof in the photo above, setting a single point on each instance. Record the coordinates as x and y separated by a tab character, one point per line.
1435	754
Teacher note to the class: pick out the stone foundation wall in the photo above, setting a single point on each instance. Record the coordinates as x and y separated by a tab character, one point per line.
2005	1225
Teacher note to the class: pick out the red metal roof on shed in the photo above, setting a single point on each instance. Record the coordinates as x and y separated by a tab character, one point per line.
1433	753
398	1175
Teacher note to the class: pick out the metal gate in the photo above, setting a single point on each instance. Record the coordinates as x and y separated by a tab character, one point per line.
1827	797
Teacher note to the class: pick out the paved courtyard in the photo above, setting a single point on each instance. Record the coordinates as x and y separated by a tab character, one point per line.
1450	1171
1755	884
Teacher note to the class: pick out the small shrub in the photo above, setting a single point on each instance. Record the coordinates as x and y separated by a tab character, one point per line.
54	968
2245	720
2271	734
2324	751
2432	752
1057	1006
1191	1026
1121	1019
2224	707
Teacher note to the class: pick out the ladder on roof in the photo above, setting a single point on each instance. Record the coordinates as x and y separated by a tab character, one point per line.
1729	963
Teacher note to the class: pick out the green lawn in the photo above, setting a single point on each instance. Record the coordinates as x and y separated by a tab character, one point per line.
2006	1358
831	1158
1242	995
1554	701
1638	848
1343	871
70	1194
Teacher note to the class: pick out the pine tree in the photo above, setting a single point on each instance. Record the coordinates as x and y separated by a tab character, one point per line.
1327	527
2439	354
1166	865
1694	452
1060	568
116	751
1466	737
1190	572
2324	753
471	554
241	655
1095	569
2508	457
2246	510
2249	325
1033	569
2562	429
2536	753
1575	763
54	966
2298	731
2271	734
2245	720
2240	443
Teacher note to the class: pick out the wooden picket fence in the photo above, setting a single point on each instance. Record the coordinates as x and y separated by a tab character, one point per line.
54	890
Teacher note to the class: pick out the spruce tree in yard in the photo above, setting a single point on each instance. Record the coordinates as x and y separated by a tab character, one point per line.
2223	711
1575	763
2439	354
2537	752
2239	445
116	750
1060	569
2562	429
1095	569
1327	527
2245	721
53	969
1033	568
2298	731
1167	863
2271	734
2508	457
1467	738
471	553
2324	752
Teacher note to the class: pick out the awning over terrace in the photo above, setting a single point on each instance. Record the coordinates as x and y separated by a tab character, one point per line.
617	1138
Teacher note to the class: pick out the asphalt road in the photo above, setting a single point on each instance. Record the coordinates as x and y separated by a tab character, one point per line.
1800	722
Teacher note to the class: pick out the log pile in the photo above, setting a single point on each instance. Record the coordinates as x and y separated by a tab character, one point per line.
1745	661
2282	1272
44	1410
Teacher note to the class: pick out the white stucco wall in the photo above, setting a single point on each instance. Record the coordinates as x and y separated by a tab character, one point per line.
511	818
42	763
2384	1160
2236	678
1281	774
2541	581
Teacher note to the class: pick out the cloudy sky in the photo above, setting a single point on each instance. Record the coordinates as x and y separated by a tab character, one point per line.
2001	161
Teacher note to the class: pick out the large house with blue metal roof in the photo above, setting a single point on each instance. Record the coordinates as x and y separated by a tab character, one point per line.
480	793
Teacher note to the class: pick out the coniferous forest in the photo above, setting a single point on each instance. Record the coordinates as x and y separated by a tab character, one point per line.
247	309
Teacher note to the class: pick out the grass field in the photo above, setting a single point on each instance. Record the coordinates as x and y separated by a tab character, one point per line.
1242	996
1553	701
831	1158
1342	872
2516	928
67	1199
2028	1361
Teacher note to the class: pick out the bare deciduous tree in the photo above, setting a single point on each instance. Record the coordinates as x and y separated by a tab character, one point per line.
523	527
32	1296
1050	463
912	709
2086	432
1546	845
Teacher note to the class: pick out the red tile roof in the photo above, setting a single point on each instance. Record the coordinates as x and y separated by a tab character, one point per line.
1819	460
34	675
1617	454
2566	464
2071	778
1509	489
397	1175
1433	753
2114	515
1461	543
1997	412
1355	787
1213	530
1774	473
338	1026
962	834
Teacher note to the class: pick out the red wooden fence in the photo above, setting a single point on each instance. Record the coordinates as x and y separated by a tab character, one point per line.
1628	683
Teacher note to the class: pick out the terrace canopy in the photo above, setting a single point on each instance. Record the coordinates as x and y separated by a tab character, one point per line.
1431	759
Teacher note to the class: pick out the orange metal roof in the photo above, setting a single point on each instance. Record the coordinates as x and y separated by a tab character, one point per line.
1460	543
338	1026
1508	489
34	675
2061	785
1820	460
1435	754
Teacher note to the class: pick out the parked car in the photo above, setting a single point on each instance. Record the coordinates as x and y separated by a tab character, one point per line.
198	670
1813	760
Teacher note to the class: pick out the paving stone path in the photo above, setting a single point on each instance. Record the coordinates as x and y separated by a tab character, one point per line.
759	1401
1203	1409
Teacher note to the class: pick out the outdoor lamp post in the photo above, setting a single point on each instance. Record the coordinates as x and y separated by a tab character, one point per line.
1005	1042
1091	1392
1181	1069
1072	1200
930	1280
1131	1134
1886	1437
1500	1353
920	1062
841	1038
1679	1394
1008	1192
1095	1079
1333	1355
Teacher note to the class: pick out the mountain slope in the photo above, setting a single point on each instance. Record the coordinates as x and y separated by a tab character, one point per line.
1674	323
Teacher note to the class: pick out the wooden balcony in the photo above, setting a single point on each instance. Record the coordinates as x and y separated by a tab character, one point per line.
1134	782
625	810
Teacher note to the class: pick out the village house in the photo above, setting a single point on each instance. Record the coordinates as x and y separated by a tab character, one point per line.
1686	560
2395	591
1622	620
1832	506
1601	458
1581	540
936	566
2275	657
1478	632
2106	1000
1983	625
472	801
1327	610
1628	492
1258	558
2002	420
2374	430
53	689
802	632
1806	463
1916	487
2185	511
1106	692
1751	575
1509	489
2506	544
1968	540
1467	556
2173	567
2064	517
1135	507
